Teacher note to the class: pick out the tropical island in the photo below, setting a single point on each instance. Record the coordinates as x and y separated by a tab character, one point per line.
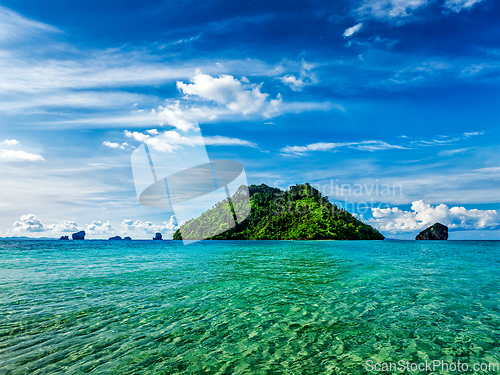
299	213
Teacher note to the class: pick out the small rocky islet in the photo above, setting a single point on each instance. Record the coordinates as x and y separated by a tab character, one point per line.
118	238
436	231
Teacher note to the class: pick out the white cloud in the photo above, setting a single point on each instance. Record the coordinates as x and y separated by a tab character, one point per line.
295	84
14	26
147	227
322	146
401	11
184	118
31	83
112	145
99	227
11	142
458	5
171	140
453	152
488	169
475	69
153	131
225	90
219	140
67	226
470	134
446	139
306	77
21	103
140	137
392	11
30	223
422	215
165	142
352	30
18	155
243	98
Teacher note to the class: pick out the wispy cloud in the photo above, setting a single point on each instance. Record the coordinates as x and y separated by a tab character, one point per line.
219	140
19	155
443	140
305	78
459	5
489	170
352	30
322	146
14	26
391	11
470	134
376	145
397	12
453	152
172	140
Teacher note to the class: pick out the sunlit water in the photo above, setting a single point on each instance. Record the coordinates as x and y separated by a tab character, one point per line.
245	307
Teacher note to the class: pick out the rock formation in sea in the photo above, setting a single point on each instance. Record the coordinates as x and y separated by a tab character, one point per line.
64	238
158	237
118	238
78	235
437	231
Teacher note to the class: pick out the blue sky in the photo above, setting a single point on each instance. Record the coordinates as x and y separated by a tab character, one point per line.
368	94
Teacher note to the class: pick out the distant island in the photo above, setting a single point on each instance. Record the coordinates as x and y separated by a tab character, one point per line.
118	238
79	235
437	231
300	213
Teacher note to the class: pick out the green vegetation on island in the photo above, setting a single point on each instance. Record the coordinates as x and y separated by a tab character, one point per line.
300	213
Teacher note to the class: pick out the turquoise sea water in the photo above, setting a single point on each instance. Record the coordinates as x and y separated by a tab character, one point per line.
245	307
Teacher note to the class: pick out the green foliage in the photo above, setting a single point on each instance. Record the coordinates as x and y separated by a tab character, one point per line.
301	213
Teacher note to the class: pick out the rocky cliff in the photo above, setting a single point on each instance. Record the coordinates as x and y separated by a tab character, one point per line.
78	235
437	231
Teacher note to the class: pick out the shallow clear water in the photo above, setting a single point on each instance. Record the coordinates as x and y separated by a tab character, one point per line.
245	307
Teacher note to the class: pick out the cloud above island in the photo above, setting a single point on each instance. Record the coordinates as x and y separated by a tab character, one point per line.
422	215
31	225
148	227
